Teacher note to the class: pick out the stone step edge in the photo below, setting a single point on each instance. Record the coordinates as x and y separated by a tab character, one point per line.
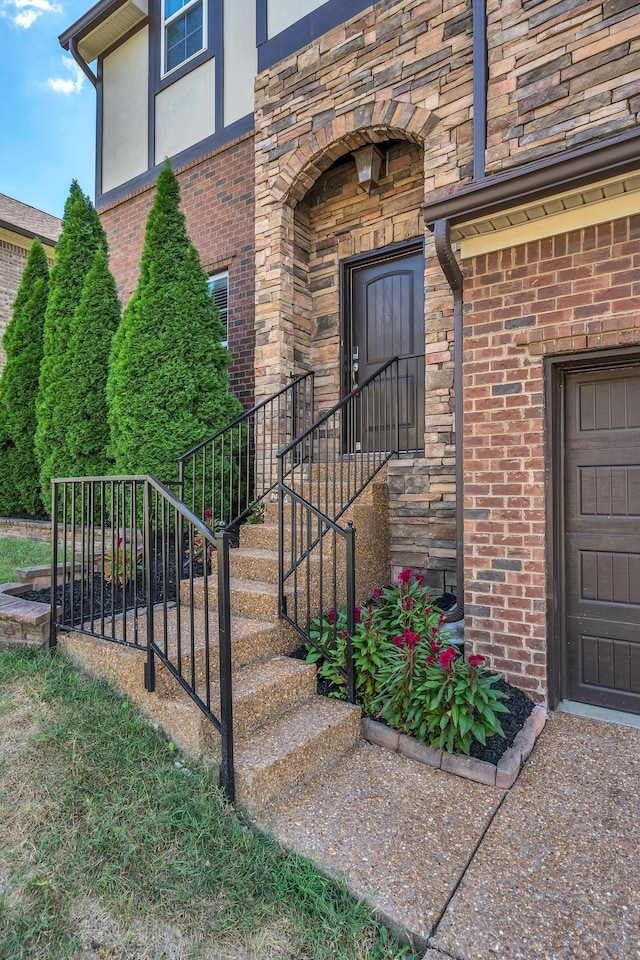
503	775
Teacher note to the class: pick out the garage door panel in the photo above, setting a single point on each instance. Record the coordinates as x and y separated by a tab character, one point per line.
609	578
603	667
602	537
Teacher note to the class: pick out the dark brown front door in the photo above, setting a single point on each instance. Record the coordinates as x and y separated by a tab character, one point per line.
385	320
602	537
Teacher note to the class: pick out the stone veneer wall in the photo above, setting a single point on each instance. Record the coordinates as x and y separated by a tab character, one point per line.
572	292
396	72
560	74
422	522
218	202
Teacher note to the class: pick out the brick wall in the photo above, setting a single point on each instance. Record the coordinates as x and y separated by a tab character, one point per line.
560	74
565	294
13	260
217	197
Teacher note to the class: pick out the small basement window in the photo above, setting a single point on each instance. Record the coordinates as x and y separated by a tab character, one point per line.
183	32
219	290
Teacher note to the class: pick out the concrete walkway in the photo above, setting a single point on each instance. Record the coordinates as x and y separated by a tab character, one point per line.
548	871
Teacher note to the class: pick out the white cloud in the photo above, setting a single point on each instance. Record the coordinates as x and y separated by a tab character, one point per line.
24	13
67	85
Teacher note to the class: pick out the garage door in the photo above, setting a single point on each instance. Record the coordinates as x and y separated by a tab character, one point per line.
602	538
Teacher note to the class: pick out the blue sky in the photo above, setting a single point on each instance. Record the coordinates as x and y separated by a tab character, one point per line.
47	105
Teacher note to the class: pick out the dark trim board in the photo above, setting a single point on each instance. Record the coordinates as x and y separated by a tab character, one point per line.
304	31
555	371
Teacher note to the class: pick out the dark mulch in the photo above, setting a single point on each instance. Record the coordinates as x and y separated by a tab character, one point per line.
519	706
92	596
517	703
30	516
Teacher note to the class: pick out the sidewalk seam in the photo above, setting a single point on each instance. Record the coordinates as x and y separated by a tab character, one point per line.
435	926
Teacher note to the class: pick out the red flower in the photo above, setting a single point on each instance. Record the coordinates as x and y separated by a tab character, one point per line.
398	641
358	616
419	578
377	593
331	616
404	576
407	603
119	541
447	657
411	639
475	660
207	515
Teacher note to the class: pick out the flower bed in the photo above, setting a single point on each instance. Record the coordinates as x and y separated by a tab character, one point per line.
412	680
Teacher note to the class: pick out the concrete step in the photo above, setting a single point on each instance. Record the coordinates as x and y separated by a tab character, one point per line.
261	692
251	640
249	598
292	749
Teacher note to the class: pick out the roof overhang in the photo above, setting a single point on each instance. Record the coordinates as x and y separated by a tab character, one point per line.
582	186
27	234
102	26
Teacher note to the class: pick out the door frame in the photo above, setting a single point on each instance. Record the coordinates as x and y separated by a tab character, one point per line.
556	370
372	258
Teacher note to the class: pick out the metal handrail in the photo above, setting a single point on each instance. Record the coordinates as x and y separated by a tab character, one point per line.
341	442
122	539
230	472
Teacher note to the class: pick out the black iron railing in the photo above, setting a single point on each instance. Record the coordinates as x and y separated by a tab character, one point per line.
320	475
228	474
137	568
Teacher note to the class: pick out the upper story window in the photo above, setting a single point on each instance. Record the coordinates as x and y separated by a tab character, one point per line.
219	290
184	31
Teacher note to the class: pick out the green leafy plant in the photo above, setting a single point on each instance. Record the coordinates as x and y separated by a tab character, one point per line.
407	606
257	514
123	564
455	702
403	673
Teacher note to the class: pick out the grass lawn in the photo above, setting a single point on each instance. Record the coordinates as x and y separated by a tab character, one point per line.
113	846
15	552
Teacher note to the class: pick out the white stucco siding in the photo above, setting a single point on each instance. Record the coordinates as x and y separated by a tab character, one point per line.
282	13
125	79
185	112
240	58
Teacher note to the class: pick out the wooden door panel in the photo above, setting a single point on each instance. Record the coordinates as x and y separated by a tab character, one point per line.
386	319
602	537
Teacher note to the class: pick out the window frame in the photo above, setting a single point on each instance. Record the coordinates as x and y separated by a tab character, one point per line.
168	21
211	279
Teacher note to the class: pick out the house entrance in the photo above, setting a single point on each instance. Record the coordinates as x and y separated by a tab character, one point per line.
602	537
384	318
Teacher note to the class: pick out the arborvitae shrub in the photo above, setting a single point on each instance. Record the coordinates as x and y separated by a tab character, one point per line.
22	341
168	385
95	321
82	235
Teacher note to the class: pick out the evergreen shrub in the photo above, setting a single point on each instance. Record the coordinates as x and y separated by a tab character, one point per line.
168	385
82	235
22	341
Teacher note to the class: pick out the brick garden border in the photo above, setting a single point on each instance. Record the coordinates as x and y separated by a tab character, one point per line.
23	623
503	776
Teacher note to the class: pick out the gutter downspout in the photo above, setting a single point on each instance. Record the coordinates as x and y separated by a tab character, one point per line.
88	72
480	83
453	274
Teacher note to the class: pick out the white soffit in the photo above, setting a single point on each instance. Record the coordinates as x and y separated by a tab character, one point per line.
609	200
125	18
